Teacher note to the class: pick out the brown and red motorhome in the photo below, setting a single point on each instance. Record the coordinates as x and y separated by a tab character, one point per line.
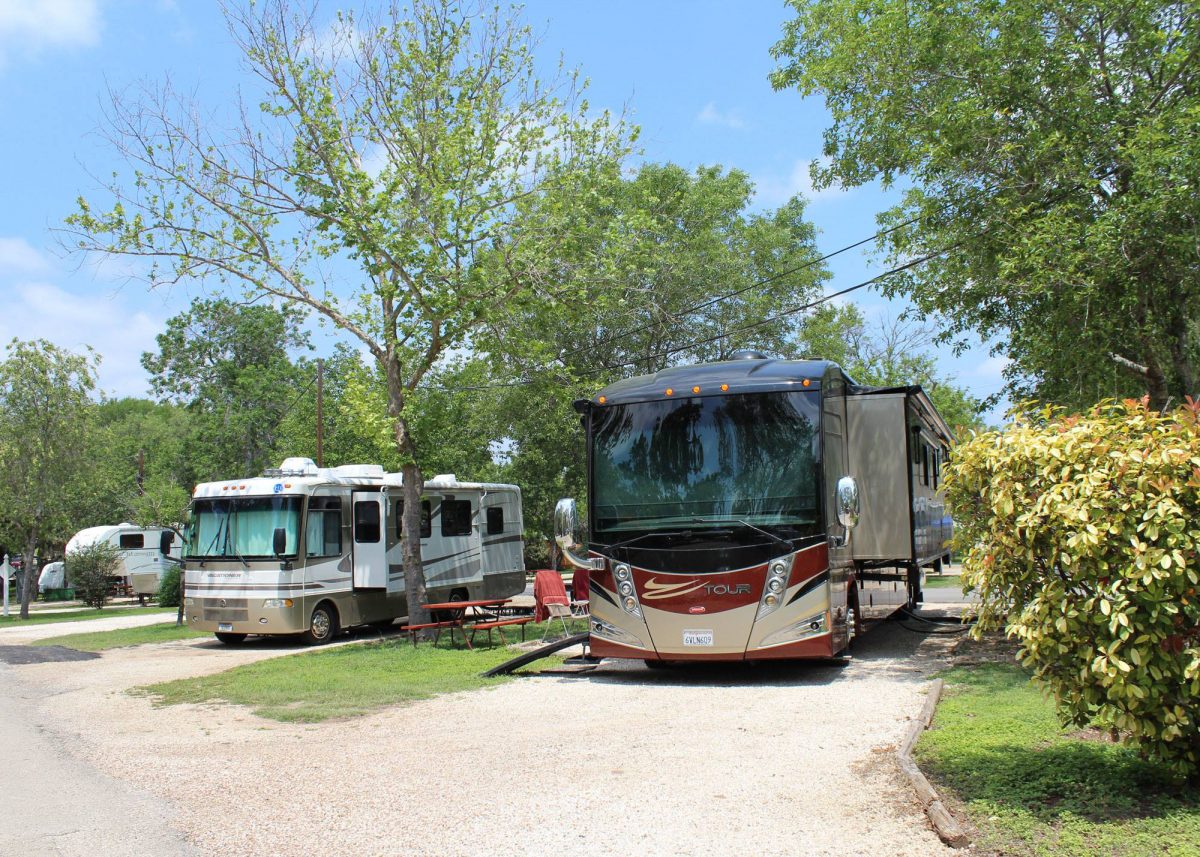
754	508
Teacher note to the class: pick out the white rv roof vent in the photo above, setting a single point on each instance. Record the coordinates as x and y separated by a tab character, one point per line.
359	470
298	467
444	477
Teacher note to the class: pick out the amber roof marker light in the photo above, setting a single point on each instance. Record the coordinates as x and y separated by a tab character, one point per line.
670	392
695	389
724	388
806	382
602	399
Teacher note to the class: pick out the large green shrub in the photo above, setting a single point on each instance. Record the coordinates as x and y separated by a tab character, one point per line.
1081	535
168	587
90	570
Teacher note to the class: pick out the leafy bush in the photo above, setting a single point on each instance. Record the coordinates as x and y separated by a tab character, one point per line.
90	570
168	587
1081	535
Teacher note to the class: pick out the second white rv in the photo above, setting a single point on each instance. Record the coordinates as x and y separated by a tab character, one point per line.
307	550
142	559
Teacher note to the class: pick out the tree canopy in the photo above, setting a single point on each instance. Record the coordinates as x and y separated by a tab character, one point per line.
1054	154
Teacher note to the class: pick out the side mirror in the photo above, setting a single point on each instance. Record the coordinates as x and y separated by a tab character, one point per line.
847	502
279	541
165	540
567	534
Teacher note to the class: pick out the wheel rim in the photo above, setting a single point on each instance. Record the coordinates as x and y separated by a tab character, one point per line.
321	624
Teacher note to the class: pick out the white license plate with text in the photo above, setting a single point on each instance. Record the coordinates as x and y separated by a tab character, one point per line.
225	626
697	638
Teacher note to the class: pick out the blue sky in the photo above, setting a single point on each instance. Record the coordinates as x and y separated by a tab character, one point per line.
692	74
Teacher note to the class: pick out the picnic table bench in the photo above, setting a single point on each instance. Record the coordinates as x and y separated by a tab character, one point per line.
498	625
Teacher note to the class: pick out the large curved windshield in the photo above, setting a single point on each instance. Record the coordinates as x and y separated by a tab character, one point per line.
243	527
707	462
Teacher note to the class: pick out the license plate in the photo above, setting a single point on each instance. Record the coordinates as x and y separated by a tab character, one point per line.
225	626
697	638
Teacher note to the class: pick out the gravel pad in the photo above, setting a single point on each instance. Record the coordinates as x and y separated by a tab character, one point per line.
43	654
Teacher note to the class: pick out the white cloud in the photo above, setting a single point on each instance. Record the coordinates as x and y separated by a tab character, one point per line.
991	370
18	256
29	26
710	115
110	322
774	190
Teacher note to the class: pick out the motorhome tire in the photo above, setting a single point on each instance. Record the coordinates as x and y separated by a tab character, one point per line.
230	639
446	615
323	626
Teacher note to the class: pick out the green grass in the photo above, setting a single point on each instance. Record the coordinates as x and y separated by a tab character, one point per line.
346	681
1032	787
946	581
98	641
79	615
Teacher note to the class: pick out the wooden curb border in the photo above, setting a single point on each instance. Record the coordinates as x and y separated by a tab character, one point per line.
944	824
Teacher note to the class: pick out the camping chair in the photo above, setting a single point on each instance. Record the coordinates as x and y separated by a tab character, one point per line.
580	585
550	600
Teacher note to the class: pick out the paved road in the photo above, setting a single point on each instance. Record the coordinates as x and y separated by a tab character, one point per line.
58	806
29	633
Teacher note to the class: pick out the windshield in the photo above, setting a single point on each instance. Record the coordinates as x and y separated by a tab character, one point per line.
243	527
708	462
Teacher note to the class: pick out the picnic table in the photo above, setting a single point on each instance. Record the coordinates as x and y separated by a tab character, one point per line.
455	615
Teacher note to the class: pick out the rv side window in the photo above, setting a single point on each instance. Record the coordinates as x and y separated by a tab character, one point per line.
323	537
495	520
132	541
366	522
426	523
924	463
937	467
456	517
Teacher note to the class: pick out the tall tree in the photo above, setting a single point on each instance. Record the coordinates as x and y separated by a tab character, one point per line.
230	365
393	181
1054	154
46	416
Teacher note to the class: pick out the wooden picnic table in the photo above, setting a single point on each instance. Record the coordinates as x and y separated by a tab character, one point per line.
457	618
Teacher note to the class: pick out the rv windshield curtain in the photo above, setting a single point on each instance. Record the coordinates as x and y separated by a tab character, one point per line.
704	461
243	527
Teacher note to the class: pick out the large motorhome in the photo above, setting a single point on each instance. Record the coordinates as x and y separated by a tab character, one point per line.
308	550
142	561
754	508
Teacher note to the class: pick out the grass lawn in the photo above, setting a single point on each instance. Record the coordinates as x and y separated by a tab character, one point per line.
1034	788
348	680
77	615
98	641
946	581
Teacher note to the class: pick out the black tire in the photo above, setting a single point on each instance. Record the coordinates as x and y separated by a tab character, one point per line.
322	626
446	615
230	639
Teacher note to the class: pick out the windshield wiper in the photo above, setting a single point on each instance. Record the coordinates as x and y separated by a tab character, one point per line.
779	540
639	538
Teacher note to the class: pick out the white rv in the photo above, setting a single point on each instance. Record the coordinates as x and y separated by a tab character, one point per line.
142	558
308	550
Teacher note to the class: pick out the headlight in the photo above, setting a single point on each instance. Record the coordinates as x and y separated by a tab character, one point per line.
626	588
631	605
622	572
775	585
277	603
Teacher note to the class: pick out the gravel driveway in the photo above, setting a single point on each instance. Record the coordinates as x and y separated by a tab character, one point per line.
784	759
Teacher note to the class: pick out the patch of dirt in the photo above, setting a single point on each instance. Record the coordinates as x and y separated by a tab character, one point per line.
994	648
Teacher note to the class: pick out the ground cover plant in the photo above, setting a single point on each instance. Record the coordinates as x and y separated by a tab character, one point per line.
1030	786
945	581
79	616
1081	535
98	641
345	681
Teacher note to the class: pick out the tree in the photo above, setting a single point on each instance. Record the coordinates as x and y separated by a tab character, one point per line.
230	366
395	182
1054	151
891	353
46	416
143	459
91	569
669	267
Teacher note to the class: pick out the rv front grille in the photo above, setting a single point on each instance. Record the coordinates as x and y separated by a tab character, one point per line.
231	610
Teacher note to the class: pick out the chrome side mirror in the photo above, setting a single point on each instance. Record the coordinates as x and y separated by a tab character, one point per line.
567	534
847	502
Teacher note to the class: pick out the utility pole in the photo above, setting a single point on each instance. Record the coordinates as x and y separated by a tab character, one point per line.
320	408
141	477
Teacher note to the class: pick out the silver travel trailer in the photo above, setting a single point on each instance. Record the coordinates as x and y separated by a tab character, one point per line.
141	552
308	550
754	509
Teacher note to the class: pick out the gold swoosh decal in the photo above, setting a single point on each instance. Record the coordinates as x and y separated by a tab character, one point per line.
669	590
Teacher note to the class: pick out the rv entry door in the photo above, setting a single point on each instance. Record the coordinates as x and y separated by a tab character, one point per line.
370	540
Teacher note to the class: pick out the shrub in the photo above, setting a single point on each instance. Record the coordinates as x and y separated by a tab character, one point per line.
1080	534
168	587
90	570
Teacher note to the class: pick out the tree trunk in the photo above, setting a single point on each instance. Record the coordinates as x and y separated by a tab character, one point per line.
410	524
27	576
